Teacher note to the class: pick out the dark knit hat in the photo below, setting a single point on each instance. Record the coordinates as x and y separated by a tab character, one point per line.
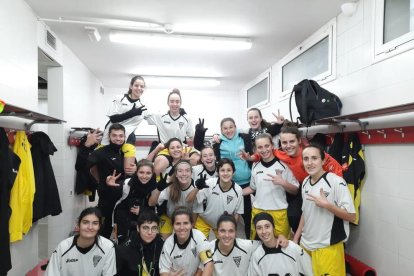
263	216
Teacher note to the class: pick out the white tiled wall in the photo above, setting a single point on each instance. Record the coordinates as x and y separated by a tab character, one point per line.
384	238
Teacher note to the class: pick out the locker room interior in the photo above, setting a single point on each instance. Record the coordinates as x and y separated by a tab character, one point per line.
367	69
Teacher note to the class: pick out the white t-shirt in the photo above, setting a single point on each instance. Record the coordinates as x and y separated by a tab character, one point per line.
191	255
268	195
322	228
292	260
200	170
169	127
120	105
67	260
237	262
165	196
213	201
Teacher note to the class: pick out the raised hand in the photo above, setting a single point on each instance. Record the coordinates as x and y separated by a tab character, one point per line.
163	183
200	126
138	111
201	182
111	179
277	179
245	155
279	118
93	138
320	201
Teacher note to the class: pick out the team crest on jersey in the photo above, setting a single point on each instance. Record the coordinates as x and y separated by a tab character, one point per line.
194	250
229	199
326	193
237	260
181	124
96	260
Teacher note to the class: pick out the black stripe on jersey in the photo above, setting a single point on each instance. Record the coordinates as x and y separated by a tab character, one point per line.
338	231
236	245
269	251
189	186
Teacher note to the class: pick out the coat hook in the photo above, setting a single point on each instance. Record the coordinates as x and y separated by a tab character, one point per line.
383	132
366	133
400	130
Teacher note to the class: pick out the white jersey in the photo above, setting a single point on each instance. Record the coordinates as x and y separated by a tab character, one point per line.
169	127
120	105
200	170
213	201
68	260
268	195
165	196
190	256
236	263
292	260
322	228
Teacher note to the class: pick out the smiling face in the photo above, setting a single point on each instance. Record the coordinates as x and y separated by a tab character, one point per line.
265	149
174	103
226	174
183	174
227	233
208	158
312	162
290	144
228	129
144	174
117	136
137	88
175	150
264	230
89	227
148	231
254	119
182	227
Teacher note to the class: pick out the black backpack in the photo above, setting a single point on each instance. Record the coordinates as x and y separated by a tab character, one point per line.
313	102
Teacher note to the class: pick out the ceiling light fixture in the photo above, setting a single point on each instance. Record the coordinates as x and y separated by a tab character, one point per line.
93	34
349	8
114	23
171	81
194	42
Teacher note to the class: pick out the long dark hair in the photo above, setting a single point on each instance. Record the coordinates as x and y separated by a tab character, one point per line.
132	82
263	123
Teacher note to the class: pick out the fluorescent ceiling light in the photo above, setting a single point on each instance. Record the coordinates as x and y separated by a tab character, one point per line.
180	41
177	71
170	82
105	22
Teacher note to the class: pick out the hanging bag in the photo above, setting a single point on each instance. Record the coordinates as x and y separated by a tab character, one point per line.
314	102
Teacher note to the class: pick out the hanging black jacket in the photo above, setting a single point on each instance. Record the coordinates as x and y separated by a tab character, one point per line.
9	165
84	180
46	200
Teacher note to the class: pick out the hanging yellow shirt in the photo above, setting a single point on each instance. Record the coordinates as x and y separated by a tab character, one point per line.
22	193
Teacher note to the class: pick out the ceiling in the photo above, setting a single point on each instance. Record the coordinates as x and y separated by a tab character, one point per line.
275	26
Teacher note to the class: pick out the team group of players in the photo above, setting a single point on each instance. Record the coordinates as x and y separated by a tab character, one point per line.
186	196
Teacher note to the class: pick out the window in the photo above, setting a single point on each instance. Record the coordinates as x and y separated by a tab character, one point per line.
313	59
258	91
394	27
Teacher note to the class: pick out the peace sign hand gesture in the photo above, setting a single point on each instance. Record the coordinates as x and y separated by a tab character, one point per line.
111	179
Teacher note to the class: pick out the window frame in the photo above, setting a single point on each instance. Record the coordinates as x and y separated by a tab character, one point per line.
392	48
328	30
267	74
